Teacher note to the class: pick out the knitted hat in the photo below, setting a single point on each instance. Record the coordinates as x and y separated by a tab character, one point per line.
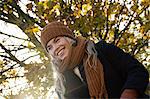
55	29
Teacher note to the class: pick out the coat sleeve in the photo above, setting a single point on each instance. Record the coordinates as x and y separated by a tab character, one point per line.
131	69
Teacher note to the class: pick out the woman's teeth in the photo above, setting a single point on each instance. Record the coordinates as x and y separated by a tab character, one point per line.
60	52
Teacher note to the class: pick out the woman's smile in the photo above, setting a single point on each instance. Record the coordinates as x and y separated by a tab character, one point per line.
61	51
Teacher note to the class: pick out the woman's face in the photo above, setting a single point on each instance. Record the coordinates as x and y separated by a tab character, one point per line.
59	47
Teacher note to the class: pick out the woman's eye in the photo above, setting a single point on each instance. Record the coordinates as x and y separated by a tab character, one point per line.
49	48
56	40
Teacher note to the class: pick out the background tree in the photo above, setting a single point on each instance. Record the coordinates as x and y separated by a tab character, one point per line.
126	23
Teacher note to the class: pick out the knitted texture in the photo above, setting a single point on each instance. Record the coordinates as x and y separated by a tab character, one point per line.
85	52
55	29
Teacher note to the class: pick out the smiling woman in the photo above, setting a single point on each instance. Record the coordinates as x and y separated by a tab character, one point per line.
88	70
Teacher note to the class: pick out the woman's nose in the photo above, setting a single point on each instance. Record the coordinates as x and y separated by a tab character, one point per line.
55	49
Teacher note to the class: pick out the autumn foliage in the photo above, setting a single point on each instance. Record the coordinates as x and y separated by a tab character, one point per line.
125	23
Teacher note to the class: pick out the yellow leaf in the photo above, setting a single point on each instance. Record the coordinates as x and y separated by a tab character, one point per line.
56	7
86	8
35	30
1	62
57	12
10	1
111	34
51	11
45	15
40	3
6	8
30	45
13	72
145	37
45	4
77	13
145	2
134	7
142	29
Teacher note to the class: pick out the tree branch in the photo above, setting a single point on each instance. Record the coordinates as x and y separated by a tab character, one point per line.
145	43
121	33
29	21
12	57
116	34
10	77
14	36
11	67
6	57
30	57
107	28
28	18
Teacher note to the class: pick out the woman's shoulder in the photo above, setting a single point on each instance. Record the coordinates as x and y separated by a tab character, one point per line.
104	46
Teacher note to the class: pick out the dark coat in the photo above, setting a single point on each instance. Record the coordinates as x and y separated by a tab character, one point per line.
121	71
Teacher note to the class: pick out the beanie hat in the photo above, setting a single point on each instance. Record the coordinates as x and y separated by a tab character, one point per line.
55	29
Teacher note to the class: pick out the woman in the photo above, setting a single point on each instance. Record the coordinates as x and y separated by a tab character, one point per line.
88	70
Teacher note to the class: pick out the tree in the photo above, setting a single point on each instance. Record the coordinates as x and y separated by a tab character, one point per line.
124	23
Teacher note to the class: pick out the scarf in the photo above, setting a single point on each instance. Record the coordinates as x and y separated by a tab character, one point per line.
85	51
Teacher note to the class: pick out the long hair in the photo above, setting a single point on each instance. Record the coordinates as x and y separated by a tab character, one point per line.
59	81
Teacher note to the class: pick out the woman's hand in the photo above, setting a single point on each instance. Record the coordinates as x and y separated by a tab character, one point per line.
129	94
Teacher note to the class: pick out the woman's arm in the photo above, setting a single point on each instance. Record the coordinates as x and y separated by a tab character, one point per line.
136	75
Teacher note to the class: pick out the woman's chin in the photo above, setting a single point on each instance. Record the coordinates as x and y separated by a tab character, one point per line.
62	57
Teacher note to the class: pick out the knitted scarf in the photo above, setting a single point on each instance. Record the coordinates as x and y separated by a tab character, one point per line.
92	66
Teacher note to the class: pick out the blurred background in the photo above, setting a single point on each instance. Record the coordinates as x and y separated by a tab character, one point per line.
25	71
